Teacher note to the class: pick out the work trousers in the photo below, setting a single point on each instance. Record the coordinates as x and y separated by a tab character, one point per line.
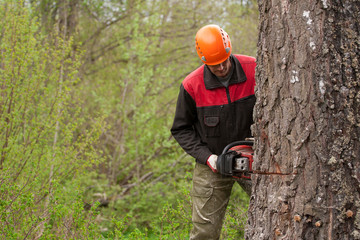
210	197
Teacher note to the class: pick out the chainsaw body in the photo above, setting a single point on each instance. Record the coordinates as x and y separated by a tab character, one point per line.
236	160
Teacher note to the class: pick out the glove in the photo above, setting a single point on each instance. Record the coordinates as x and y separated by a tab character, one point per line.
211	162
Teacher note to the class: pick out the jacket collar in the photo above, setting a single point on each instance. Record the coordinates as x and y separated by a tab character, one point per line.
238	76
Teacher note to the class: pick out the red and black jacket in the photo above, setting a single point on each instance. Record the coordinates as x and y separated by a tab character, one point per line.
209	116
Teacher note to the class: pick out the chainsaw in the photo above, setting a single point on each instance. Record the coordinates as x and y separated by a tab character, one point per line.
236	159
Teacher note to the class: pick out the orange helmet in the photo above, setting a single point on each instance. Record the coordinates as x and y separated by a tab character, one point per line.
212	44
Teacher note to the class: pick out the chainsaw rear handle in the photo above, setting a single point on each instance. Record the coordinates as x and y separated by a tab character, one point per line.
233	144
227	163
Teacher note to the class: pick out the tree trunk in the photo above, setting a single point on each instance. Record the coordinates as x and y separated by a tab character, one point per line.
307	121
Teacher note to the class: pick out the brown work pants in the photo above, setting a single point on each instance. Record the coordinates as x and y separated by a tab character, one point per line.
210	196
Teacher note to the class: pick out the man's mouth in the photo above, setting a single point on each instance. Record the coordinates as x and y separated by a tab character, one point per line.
221	72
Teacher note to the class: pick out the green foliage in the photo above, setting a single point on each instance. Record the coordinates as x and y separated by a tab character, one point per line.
87	96
41	150
175	223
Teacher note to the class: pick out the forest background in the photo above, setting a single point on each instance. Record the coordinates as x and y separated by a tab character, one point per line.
87	96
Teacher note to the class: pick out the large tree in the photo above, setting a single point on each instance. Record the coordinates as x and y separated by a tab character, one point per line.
307	121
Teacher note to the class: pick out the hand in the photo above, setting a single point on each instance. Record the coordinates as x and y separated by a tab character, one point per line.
211	162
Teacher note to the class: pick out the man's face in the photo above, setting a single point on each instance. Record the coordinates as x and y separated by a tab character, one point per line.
222	69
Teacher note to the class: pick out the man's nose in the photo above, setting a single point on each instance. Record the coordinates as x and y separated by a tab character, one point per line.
221	66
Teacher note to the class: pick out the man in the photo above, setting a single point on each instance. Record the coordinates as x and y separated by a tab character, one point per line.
214	108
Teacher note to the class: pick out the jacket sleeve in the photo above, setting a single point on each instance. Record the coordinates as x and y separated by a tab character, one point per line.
183	127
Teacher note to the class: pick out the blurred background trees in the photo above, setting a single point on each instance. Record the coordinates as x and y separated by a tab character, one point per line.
88	90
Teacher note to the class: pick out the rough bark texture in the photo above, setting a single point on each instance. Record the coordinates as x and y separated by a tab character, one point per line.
307	121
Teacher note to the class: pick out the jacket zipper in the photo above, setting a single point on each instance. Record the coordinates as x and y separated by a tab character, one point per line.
228	94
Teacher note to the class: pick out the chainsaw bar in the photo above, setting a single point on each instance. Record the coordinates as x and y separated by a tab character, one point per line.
246	174
271	173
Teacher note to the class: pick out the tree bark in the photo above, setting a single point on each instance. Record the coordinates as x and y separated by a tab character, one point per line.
307	121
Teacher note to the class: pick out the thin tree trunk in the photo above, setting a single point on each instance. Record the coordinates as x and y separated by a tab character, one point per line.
307	121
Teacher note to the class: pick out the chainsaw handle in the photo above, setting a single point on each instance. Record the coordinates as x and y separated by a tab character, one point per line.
233	144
